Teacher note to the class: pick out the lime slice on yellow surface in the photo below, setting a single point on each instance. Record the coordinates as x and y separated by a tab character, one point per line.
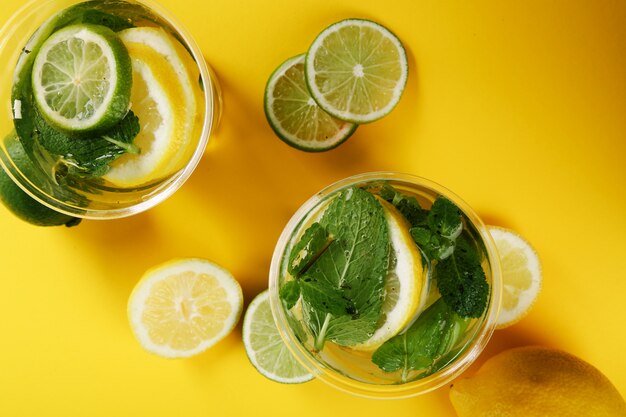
356	70
521	275
160	98
82	79
405	292
295	117
264	346
183	307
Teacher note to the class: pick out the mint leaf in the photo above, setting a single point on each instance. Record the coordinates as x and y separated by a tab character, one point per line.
345	330
387	192
342	330
90	156
98	17
434	332
461	280
434	246
354	265
408	206
314	241
444	218
290	293
325	298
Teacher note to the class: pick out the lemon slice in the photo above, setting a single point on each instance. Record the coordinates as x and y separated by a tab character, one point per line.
183	307
187	74
165	104
265	347
521	275
406	290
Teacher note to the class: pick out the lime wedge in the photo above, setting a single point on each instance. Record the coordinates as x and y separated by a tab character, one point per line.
295	116
82	79
356	70
265	348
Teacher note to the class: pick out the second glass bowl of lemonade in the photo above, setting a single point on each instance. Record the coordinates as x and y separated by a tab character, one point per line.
149	134
385	285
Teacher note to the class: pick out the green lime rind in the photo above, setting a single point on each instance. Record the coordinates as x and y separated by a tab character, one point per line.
87	12
295	117
82	78
18	201
265	348
356	70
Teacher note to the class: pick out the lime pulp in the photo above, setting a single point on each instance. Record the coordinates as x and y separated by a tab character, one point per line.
356	70
82	79
264	346
295	117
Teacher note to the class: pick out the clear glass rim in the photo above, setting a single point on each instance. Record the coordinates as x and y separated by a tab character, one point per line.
171	185
367	390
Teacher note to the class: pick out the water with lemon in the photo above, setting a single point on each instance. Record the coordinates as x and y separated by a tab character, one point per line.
108	104
384	282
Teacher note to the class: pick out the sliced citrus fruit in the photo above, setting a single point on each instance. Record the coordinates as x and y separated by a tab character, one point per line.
160	101
406	290
356	70
183	307
187	74
82	79
17	200
295	117
521	275
264	346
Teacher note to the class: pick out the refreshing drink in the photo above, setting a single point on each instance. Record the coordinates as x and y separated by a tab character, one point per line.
385	285
111	100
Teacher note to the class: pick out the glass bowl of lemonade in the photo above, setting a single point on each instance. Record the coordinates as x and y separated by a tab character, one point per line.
111	101
385	285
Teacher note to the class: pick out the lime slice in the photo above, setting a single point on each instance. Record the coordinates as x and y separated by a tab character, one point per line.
406	290
295	116
265	348
521	275
356	70
17	200
82	79
183	307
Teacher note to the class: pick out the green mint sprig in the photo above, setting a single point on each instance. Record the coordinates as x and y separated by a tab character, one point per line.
91	156
455	261
339	266
430	337
437	234
461	280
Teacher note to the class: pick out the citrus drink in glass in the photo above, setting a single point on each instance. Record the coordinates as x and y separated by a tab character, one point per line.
385	285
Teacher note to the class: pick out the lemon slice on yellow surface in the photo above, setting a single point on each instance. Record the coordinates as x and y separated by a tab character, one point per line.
405	294
521	275
183	307
163	100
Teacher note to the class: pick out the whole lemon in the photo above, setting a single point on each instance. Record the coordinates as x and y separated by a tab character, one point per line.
536	381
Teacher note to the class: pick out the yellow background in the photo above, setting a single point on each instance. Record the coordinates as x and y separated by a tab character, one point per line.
518	107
